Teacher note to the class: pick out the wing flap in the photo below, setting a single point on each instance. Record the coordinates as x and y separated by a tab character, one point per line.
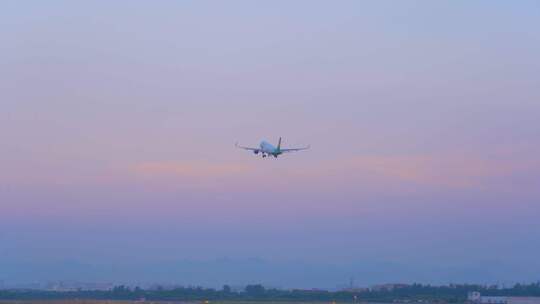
246	148
294	149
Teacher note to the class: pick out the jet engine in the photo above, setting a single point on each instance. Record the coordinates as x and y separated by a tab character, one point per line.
256	151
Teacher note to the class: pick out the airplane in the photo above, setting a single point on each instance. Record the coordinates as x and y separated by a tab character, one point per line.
267	149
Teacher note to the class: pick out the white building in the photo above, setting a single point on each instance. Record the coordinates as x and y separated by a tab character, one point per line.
476	297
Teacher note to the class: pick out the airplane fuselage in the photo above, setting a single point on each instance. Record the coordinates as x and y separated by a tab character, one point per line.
267	148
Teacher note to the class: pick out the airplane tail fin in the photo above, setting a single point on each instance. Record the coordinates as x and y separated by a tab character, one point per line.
279	144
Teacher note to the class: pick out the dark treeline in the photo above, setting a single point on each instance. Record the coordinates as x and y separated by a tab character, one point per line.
406	293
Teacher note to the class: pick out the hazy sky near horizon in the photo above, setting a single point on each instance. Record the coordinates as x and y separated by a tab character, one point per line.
118	122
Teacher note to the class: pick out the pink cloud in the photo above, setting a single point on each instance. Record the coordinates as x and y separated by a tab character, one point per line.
445	170
367	174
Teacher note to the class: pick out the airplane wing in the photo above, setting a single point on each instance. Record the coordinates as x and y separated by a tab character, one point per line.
294	149
246	148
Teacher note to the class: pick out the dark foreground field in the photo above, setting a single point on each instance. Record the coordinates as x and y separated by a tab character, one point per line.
77	301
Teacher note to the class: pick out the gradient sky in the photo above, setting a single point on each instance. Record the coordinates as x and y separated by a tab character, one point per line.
118	123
